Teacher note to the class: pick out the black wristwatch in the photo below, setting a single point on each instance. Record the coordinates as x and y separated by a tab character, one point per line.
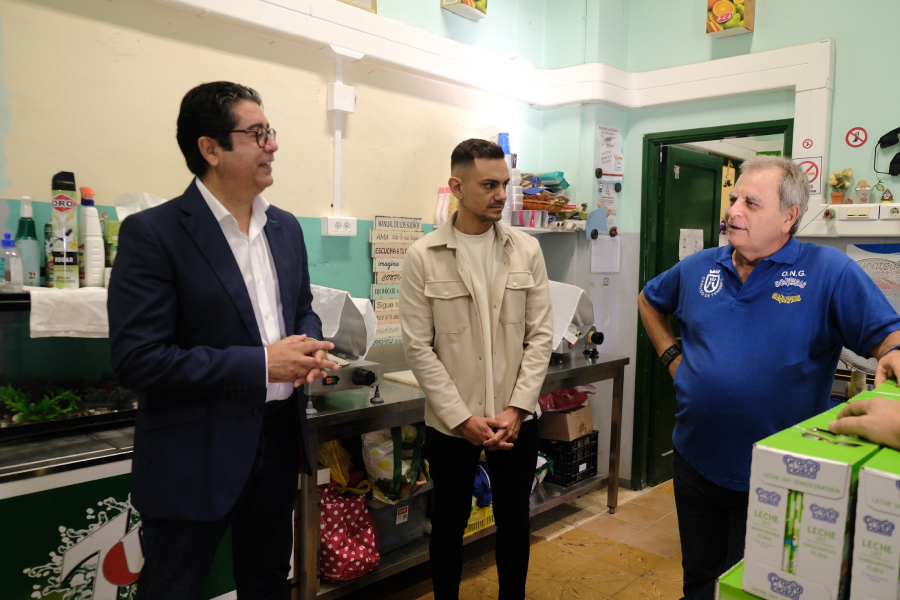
669	355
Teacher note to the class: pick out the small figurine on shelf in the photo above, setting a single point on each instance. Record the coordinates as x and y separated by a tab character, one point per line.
887	197
839	181
863	192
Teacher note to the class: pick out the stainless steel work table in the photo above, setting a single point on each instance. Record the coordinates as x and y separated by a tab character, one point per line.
345	414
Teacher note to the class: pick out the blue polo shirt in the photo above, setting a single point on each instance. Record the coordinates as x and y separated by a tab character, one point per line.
760	356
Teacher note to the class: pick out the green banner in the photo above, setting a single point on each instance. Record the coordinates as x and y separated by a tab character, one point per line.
81	542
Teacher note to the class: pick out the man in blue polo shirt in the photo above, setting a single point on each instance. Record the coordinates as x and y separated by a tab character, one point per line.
763	321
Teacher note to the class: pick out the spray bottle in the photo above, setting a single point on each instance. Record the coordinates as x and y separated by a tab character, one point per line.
90	242
29	248
10	265
65	230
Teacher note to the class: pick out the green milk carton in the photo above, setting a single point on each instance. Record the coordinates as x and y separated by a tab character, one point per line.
888	389
876	547
799	518
111	240
728	586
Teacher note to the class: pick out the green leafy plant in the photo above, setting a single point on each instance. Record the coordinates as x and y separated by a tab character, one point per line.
840	179
46	409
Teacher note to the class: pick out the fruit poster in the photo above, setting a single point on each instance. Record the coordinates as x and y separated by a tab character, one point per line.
470	9
725	18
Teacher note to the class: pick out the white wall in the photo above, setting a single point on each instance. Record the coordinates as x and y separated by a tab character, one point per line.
95	87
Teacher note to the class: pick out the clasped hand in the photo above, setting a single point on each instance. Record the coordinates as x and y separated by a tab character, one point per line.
498	433
298	360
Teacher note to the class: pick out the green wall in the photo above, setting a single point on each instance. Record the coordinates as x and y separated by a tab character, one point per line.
865	83
550	33
694	115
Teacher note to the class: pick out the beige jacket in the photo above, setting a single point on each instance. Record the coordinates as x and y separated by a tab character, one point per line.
442	332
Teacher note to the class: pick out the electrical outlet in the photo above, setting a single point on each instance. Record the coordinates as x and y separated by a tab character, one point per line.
345	226
889	212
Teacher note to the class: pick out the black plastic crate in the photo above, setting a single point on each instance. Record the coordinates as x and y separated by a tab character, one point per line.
572	461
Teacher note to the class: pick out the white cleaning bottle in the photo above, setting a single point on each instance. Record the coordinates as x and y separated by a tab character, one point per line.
90	242
10	265
29	248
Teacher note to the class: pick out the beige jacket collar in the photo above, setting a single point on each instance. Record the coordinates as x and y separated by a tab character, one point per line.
445	235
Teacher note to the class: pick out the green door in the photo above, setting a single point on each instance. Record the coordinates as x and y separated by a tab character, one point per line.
689	198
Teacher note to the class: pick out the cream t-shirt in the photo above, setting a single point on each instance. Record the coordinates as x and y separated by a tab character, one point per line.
479	256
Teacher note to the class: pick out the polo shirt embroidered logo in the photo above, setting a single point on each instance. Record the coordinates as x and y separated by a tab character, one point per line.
789	287
711	284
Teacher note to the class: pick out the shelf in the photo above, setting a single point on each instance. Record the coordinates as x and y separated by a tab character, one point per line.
546	229
545	496
866	204
20	301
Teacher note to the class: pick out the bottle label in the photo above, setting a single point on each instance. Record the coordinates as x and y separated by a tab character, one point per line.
65	269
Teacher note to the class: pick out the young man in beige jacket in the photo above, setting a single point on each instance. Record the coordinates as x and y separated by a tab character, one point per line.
477	329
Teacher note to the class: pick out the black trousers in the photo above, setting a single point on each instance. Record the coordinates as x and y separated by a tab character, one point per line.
712	521
453	462
178	555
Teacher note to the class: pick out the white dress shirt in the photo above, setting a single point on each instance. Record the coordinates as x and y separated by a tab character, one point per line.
254	258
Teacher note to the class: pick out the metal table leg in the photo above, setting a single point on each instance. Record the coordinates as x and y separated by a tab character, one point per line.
307	546
615	441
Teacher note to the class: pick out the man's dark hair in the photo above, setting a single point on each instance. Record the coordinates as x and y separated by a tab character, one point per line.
207	111
466	152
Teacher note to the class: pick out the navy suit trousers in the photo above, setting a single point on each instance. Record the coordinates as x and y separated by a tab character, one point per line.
178	554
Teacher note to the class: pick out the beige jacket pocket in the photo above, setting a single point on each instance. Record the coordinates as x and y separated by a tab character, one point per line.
517	285
450	305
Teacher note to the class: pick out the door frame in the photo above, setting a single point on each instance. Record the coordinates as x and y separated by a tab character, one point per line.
645	353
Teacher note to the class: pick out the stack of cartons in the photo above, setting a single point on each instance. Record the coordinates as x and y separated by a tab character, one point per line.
800	514
390	238
876	550
728	586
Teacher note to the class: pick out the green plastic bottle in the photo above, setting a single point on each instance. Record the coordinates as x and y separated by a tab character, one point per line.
27	243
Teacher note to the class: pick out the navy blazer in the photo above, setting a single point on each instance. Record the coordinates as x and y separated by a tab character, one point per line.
182	332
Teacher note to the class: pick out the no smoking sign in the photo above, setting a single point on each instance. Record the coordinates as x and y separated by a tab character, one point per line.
856	137
812	167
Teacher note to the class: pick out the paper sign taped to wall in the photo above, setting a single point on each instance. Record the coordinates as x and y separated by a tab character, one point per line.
394	237
605	254
609	152
690	241
812	167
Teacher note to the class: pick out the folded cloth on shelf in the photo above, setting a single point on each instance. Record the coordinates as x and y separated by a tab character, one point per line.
69	313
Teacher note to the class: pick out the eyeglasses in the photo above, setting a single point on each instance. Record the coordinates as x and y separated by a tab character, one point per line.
262	135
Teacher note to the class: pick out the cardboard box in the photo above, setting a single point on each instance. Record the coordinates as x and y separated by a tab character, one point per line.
876	547
887	389
567	425
728	586
470	9
725	18
799	518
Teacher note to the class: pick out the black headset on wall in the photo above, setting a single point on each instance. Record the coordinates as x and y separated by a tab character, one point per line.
886	141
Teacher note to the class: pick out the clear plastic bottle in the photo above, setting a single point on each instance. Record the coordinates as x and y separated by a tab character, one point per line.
11	263
28	246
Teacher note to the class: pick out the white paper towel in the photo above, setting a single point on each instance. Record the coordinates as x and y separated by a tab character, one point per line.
328	303
69	313
128	203
570	305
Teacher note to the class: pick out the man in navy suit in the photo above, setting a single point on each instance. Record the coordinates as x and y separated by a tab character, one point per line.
210	317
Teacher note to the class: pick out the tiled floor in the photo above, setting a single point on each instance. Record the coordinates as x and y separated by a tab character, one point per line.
579	552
